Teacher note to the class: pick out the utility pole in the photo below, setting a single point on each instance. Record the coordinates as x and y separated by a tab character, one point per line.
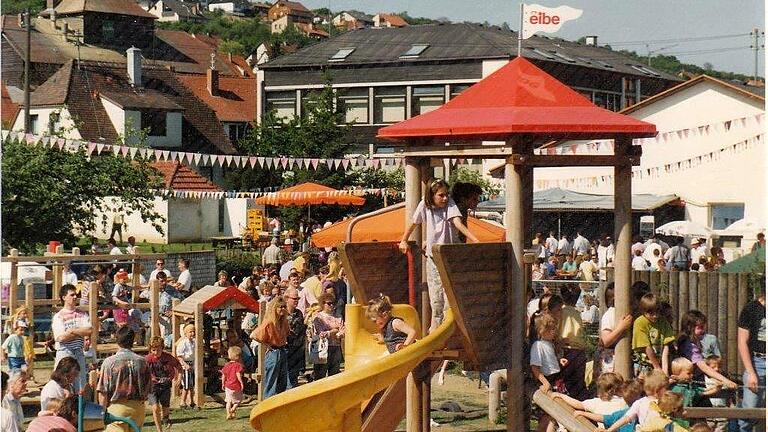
27	61
756	33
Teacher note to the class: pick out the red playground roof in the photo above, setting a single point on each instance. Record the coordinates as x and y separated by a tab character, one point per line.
519	98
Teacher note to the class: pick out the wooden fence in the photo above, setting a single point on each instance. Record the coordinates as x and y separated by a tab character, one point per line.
720	296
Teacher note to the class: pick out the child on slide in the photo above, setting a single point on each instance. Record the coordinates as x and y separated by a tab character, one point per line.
395	332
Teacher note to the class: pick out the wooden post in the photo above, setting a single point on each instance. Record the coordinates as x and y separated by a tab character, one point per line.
13	295
175	335
744	297
413	179
136	280
29	298
722	316
154	307
93	312
693	290
515	224
262	353
713	299
674	294
199	356
703	291
733	310
423	387
58	277
684	295
622	262
655	280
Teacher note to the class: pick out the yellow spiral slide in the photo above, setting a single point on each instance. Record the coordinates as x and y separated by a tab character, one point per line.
336	403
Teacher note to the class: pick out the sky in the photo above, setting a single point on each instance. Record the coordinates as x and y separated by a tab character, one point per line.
695	31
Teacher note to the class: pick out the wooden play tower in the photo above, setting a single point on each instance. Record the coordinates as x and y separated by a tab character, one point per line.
505	116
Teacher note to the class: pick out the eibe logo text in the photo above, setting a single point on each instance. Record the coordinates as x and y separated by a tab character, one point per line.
543	18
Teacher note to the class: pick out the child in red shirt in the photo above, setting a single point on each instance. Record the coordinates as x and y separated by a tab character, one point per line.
232	380
164	368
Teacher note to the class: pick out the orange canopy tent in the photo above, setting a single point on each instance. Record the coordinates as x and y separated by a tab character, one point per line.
310	194
388	227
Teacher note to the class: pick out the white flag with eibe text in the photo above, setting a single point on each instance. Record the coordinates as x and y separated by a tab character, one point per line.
537	18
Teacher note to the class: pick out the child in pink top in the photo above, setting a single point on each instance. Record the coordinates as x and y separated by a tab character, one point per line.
232	381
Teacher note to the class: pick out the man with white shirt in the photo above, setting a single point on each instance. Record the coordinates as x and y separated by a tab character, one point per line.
68	276
696	251
131	248
637	245
564	247
650	246
551	244
113	249
639	263
184	281
605	253
159	267
580	245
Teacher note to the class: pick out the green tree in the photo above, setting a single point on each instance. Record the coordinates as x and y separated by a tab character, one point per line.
232	47
50	194
469	175
12	7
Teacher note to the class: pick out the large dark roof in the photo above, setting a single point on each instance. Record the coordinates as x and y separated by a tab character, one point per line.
81	87
458	42
182	9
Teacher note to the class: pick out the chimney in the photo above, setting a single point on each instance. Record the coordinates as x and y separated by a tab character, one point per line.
212	81
591	40
133	56
64	30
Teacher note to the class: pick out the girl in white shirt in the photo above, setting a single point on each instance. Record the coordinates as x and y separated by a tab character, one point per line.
545	363
608	398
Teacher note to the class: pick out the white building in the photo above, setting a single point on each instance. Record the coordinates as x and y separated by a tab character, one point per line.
710	151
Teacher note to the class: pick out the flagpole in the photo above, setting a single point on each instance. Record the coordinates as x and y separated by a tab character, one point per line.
520	33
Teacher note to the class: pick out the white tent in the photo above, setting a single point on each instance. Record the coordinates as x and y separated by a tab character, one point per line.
684	229
743	227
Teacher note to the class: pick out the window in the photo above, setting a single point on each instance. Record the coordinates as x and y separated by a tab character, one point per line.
389	104
341	54
283	103
725	214
306	100
354	103
456	89
414	51
236	131
426	99
34	123
53	122
155	121
107	31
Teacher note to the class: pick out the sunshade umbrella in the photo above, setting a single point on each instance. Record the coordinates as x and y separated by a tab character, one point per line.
684	229
742	227
389	226
309	194
752	262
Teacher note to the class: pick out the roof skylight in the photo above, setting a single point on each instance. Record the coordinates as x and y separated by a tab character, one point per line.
542	53
341	54
563	57
414	51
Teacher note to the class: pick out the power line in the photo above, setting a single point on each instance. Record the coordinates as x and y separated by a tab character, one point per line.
678	40
708	51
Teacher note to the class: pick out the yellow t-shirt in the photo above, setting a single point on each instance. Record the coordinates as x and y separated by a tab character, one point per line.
571	328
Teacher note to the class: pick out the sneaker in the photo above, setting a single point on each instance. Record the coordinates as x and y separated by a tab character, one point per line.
433	423
166	423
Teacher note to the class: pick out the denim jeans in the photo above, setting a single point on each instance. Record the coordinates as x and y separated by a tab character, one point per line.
78	355
275	372
754	400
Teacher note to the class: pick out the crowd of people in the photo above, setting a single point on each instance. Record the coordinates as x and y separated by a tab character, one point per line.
302	330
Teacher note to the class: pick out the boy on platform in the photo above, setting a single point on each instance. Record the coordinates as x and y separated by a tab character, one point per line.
185	352
651	337
682	376
232	381
164	368
13	348
717	400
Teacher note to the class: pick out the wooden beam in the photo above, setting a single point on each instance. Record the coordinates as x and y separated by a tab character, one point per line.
175	335
729	413
581	160
622	204
80	258
485	152
154	302
93	312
